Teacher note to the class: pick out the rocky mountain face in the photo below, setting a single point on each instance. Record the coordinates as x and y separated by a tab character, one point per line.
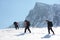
56	19
42	12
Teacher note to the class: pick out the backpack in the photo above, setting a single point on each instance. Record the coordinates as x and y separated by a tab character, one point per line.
51	24
28	23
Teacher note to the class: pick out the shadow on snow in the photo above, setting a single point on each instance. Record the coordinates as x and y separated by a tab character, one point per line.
46	36
20	34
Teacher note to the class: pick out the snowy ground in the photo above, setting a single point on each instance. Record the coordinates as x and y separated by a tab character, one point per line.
37	34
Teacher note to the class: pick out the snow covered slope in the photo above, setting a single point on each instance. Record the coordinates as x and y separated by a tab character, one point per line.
37	34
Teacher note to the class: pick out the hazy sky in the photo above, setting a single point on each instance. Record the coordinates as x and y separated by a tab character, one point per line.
17	10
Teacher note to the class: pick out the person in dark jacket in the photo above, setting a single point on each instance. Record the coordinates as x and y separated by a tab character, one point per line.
50	25
27	24
16	25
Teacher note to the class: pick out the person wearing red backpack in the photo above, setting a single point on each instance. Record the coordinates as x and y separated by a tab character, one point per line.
27	24
16	25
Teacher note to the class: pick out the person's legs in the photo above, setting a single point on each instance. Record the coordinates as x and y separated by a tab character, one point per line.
15	27
25	30
48	30
18	27
29	30
52	30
